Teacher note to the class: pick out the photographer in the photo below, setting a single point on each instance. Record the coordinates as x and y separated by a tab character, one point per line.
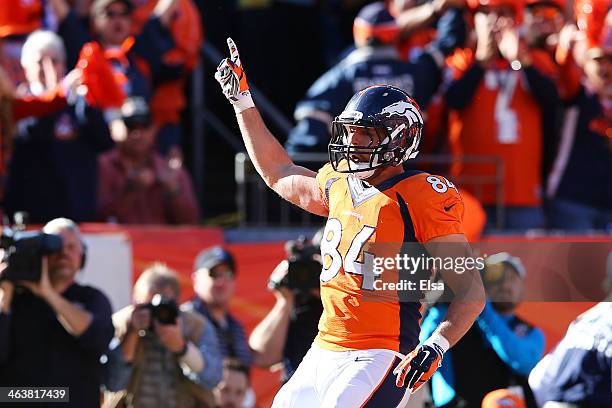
287	332
165	356
53	331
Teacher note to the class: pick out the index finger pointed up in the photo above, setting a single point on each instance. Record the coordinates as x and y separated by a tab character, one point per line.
234	55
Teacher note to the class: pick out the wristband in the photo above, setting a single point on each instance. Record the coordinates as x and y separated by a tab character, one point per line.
243	102
438	340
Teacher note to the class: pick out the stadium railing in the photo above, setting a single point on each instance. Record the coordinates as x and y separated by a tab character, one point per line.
259	206
201	116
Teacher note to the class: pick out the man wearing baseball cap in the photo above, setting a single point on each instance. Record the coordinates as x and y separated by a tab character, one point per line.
214	281
500	347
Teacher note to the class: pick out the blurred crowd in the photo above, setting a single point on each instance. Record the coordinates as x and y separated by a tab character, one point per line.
93	93
518	96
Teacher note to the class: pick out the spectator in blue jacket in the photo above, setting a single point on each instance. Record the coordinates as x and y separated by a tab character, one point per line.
375	60
498	351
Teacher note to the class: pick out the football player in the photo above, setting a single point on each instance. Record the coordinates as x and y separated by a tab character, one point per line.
368	199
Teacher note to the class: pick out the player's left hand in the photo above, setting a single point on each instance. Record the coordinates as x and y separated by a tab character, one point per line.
418	366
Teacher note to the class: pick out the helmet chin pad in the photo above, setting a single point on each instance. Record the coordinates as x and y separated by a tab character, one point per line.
364	174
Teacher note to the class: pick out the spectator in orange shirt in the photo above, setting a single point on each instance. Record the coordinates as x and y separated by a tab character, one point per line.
497	96
163	49
144	62
111	23
137	185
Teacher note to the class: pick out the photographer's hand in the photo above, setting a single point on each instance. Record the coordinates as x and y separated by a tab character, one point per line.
141	318
282	293
171	335
42	288
73	318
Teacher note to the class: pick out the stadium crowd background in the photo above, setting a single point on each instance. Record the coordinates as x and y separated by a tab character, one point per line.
118	139
153	51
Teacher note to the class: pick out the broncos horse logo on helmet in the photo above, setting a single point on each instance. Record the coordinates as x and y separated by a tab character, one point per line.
392	120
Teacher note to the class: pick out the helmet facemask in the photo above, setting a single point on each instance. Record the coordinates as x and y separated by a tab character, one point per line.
377	146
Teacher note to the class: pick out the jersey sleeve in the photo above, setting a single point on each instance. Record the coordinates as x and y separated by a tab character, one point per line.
440	212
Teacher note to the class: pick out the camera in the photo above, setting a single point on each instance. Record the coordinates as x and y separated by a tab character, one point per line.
24	251
163	309
303	270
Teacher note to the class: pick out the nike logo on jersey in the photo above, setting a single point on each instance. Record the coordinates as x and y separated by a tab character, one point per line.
448	208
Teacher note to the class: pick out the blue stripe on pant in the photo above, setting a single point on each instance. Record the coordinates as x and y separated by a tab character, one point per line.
387	395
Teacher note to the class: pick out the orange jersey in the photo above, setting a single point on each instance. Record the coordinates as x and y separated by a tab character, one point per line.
502	121
411	207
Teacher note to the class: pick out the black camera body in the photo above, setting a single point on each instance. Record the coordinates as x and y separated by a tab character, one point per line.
24	251
164	310
303	269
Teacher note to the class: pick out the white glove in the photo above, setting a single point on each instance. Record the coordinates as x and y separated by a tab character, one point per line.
232	79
